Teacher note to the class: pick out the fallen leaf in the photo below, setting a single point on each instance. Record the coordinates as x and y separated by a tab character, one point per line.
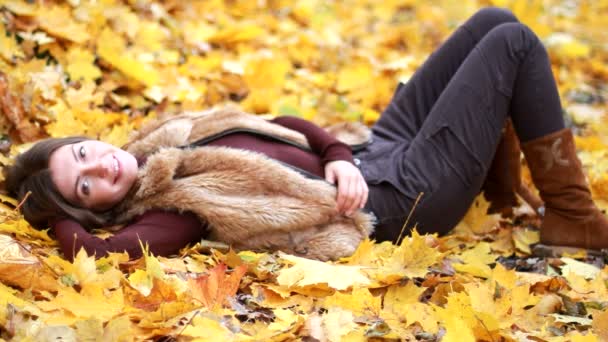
213	289
306	272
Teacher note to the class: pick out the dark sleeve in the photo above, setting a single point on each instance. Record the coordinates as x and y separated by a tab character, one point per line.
325	145
164	232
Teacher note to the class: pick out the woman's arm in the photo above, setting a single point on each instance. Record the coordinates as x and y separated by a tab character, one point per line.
164	232
325	145
337	158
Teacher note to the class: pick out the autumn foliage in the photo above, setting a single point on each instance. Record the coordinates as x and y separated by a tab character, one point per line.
101	68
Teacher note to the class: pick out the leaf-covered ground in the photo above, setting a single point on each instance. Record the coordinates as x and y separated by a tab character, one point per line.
103	67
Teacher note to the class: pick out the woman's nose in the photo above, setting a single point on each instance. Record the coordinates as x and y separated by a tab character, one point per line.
96	168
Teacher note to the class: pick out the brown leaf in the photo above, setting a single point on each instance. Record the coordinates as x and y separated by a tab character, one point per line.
552	285
12	108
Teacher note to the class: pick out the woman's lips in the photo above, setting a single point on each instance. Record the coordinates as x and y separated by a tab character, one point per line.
117	169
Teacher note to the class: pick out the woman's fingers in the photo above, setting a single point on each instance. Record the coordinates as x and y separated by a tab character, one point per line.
342	193
352	190
351	196
365	191
361	194
358	195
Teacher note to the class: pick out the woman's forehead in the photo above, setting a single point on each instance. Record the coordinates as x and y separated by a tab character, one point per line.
61	165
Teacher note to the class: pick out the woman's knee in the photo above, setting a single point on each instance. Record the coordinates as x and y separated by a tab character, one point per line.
488	18
517	37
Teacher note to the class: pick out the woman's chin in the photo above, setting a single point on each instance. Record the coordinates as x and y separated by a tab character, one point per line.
128	171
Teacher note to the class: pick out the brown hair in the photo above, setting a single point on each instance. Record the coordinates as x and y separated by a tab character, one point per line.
31	172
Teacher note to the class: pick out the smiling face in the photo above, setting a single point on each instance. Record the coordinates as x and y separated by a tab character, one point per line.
92	174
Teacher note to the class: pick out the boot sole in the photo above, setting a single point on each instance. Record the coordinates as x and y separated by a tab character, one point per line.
550	251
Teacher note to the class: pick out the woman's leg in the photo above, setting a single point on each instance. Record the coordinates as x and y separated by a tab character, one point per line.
449	157
412	102
570	217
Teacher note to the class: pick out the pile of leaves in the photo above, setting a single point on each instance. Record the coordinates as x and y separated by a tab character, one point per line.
101	68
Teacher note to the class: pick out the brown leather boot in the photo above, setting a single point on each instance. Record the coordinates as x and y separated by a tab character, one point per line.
570	218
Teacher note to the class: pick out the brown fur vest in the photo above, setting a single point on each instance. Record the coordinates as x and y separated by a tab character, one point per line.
250	201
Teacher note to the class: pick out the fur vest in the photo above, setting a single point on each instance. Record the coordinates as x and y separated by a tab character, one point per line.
248	200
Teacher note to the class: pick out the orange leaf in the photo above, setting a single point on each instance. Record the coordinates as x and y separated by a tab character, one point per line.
214	288
161	293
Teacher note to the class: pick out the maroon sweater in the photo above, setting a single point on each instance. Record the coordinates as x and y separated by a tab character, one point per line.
166	232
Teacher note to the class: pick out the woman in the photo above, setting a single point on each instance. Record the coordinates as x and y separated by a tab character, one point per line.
430	153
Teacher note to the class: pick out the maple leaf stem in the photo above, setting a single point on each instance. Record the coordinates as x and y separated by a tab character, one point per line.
485	328
400	237
187	323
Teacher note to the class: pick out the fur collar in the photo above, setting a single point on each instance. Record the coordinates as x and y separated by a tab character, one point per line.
189	127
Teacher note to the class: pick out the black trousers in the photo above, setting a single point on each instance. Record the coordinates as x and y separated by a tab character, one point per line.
439	134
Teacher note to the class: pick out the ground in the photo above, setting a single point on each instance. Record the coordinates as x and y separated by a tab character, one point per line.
102	68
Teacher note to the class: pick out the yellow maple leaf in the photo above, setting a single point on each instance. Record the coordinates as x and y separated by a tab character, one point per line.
567	46
285	320
266	71
355	75
8	297
111	48
359	301
370	253
65	124
411	258
58	21
84	97
306	272
120	329
580	268
504	277
600	324
236	34
475	261
492	314
579	337
93	301
22	229
397	296
89	329
457	318
9	49
403	301
476	220
197	66
49	82
151	35
207	329
523	238
20	7
338	322
81	66
143	280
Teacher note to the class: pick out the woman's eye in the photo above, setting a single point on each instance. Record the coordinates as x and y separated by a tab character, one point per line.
82	152
85	187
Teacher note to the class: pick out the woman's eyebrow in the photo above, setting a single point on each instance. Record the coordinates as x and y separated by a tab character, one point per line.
78	176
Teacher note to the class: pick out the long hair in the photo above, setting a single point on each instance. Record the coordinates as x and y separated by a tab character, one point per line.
31	173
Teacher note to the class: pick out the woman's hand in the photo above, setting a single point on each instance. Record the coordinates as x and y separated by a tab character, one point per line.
352	189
